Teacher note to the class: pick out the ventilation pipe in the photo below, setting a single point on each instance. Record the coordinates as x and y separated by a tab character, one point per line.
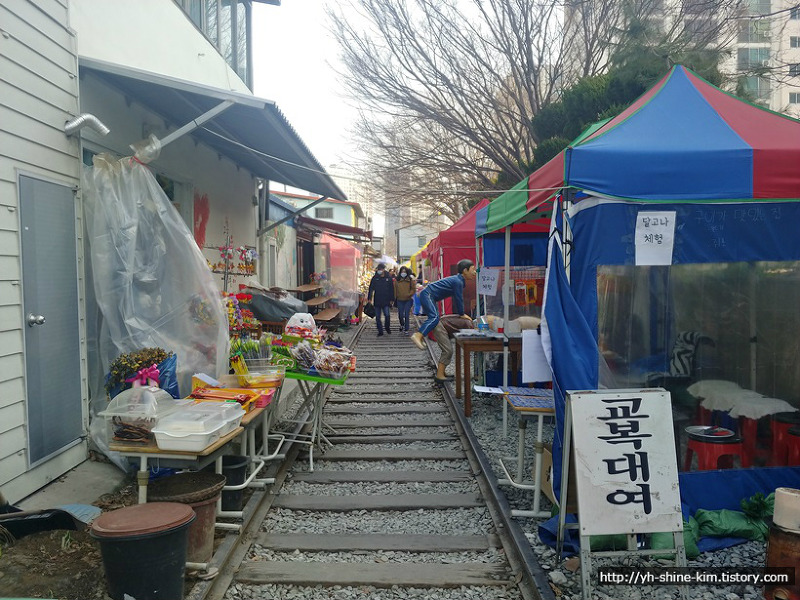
75	125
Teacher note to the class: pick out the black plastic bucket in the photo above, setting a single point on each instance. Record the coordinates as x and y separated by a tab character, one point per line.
235	470
144	550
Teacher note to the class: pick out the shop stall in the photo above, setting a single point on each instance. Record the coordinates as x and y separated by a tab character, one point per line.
674	262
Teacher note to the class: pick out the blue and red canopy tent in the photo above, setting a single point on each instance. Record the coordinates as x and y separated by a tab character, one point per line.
684	146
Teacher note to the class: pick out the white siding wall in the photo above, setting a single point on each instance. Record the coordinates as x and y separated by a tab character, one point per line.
38	94
150	35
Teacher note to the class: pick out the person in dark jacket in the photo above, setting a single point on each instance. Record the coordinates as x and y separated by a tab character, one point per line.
449	287
381	294
405	286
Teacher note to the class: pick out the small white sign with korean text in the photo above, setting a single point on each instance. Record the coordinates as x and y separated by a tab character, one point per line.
625	466
655	237
487	281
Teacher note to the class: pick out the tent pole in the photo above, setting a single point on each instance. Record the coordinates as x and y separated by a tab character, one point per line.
753	281
478	268
566	204
507	295
441	276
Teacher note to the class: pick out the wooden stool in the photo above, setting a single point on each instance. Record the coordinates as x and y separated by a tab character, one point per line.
792	441
781	424
710	449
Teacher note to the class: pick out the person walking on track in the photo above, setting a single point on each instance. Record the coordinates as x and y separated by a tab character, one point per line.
405	286
381	294
449	287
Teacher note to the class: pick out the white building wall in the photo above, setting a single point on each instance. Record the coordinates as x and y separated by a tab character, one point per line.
408	240
150	35
197	167
39	92
284	238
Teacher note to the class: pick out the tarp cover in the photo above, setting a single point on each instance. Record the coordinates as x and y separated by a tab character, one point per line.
684	140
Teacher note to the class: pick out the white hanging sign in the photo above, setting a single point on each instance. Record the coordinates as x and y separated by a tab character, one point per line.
655	237
625	465
487	281
534	363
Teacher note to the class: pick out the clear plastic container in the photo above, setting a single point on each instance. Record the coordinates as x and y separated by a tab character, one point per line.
133	413
266	377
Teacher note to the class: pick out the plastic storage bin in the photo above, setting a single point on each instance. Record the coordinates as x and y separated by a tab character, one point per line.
230	412
133	413
189	430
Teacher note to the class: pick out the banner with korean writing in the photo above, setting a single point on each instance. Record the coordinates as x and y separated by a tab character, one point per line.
655	237
625	466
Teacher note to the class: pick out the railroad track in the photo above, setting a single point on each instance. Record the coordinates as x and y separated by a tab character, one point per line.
398	505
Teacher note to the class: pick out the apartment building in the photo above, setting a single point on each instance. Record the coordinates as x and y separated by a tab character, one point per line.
761	37
766	60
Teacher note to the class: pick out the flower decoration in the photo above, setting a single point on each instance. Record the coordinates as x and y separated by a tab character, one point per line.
247	255
226	252
235	317
125	365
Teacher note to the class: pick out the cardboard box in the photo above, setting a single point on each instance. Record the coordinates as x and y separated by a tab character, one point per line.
546	481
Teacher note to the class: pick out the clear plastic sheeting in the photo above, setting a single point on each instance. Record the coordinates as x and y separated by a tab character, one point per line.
340	261
724	323
746	315
148	285
526	297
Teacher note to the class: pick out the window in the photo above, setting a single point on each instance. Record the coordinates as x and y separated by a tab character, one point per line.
758	7
323	213
755	88
794	70
421	241
794	41
795	13
754	31
794	97
225	24
752	58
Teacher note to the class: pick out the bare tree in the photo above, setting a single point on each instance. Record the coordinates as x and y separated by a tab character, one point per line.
448	88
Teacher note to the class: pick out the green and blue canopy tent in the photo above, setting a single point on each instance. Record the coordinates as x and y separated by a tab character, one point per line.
684	146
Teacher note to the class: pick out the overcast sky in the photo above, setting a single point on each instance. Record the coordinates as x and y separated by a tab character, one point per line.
292	50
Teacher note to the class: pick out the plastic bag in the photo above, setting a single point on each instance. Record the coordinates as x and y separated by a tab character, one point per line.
147	282
167	378
369	310
331	362
664	541
730	523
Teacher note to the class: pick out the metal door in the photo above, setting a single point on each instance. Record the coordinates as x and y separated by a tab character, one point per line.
50	317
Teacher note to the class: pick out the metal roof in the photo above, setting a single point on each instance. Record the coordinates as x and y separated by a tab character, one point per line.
252	132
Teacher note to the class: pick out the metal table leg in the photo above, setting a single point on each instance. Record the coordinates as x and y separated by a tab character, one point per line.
520	482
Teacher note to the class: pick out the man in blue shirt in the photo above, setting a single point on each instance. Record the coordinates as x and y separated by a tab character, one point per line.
449	287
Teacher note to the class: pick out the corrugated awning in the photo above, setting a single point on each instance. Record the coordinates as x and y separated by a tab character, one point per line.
336	228
252	132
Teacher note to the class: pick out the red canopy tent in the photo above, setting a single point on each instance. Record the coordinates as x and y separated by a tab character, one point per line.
344	259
